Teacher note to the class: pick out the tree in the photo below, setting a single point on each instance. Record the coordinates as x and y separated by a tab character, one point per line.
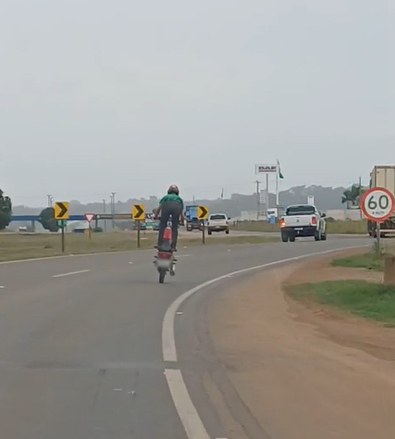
48	221
5	210
351	197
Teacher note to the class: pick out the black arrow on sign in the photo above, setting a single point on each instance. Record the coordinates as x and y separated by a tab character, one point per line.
140	211
63	210
203	212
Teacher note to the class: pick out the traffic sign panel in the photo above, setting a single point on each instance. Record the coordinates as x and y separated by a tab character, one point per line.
378	204
89	217
62	210
138	212
202	212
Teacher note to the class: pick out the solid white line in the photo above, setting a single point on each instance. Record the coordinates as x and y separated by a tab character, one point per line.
190	419
187	412
48	258
72	273
2	287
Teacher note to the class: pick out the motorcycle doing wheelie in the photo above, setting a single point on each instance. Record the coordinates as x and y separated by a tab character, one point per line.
165	260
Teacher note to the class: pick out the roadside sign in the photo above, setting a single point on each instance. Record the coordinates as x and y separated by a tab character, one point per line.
378	204
62	210
89	217
138	212
202	213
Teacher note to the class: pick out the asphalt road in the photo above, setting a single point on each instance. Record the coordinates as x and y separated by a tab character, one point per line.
81	352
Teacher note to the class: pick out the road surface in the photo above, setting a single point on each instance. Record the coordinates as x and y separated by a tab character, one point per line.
81	352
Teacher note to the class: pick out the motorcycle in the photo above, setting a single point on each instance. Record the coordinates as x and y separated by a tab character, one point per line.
165	260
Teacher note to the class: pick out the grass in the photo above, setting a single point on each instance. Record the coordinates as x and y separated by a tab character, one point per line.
369	261
25	246
334	227
364	299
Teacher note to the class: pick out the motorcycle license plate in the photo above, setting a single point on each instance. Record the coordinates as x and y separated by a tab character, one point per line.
163	263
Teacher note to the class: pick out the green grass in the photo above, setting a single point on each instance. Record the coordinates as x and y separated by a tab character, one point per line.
369	261
25	246
364	299
334	227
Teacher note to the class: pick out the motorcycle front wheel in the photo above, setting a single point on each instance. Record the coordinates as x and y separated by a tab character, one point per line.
162	275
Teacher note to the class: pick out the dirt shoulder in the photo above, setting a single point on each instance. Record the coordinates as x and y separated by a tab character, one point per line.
305	372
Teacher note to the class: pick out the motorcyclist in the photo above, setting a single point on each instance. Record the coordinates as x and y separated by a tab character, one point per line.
170	206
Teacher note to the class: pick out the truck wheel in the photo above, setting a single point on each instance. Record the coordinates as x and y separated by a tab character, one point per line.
292	238
210	232
317	236
227	231
323	237
284	237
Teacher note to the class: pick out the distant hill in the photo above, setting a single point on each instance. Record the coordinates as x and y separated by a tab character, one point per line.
326	198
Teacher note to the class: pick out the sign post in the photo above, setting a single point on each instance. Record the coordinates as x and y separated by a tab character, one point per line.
62	213
378	205
89	217
138	214
202	213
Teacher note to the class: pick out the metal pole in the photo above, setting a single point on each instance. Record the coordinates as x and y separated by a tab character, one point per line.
203	232
277	188
63	238
258	203
138	234
49	196
379	237
113	208
267	194
104	211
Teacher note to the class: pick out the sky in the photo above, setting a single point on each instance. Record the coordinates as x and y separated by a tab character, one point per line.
129	96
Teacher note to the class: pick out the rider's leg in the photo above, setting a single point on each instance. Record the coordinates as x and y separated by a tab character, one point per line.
164	218
175	218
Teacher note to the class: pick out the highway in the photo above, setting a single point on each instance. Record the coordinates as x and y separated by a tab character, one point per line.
88	351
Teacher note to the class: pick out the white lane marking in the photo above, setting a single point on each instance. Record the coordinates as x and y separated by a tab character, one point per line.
187	412
168	340
72	273
131	263
2	287
190	419
81	255
183	256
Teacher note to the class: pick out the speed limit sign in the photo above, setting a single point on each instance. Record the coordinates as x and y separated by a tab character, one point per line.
378	204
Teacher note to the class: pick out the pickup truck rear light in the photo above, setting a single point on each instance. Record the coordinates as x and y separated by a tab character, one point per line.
282	222
314	221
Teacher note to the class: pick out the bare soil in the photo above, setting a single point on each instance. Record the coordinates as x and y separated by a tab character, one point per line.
306	372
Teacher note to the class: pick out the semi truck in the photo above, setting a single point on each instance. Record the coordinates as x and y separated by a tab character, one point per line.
383	176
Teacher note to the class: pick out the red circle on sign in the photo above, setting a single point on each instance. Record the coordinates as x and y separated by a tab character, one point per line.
370	192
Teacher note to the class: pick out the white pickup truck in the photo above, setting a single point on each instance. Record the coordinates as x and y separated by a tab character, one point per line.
218	222
302	220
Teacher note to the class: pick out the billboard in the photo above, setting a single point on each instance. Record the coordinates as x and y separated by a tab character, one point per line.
265	169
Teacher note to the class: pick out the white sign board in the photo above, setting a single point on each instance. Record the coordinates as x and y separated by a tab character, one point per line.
265	169
311	200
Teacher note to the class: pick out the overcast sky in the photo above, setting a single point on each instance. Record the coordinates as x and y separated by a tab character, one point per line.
129	96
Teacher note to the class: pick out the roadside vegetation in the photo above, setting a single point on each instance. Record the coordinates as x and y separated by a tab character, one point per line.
364	299
24	246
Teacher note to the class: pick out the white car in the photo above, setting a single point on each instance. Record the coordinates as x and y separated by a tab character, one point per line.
302	220
218	222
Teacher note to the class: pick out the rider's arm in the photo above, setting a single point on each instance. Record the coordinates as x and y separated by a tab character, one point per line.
182	217
157	214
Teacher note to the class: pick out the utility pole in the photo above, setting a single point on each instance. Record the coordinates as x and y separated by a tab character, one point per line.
113	209
267	193
258	201
104	211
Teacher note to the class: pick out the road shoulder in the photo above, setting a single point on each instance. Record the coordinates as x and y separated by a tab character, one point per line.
304	372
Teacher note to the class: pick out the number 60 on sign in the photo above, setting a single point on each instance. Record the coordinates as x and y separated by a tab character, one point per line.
378	204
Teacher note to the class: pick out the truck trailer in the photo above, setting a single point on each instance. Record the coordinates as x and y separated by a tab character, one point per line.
383	176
